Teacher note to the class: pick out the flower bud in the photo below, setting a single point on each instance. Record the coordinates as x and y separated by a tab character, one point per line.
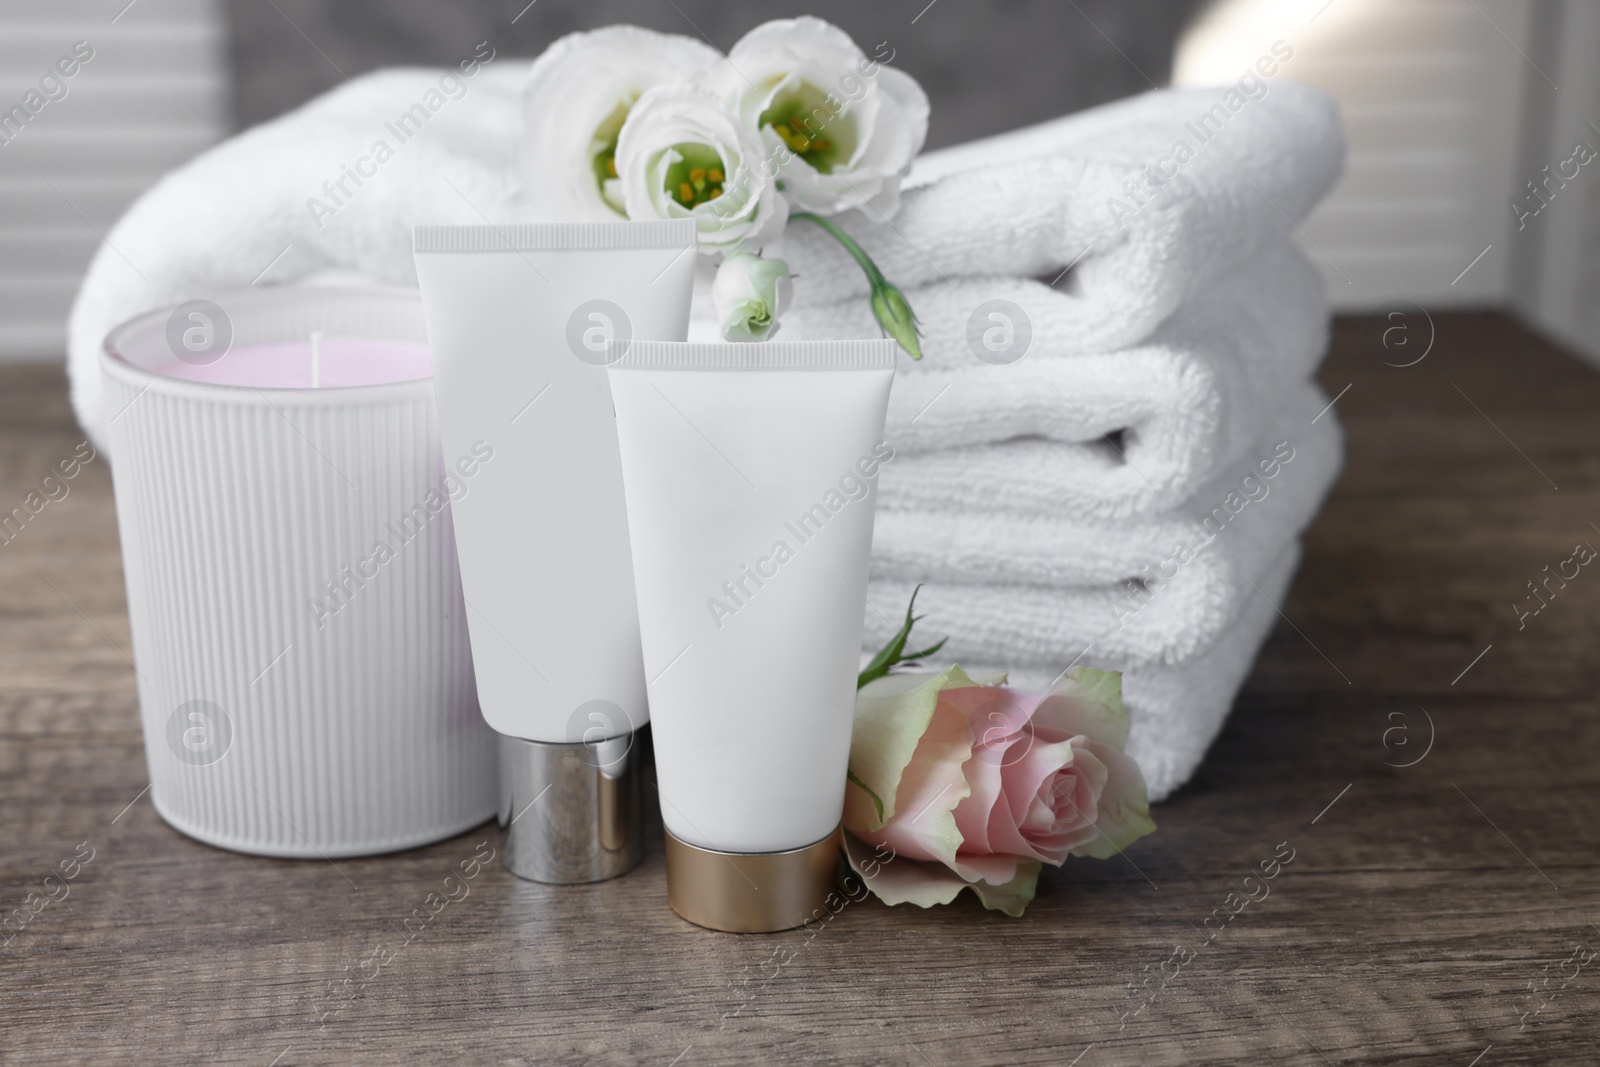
749	294
894	314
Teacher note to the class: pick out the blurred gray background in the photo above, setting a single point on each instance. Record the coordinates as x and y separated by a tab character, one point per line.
987	66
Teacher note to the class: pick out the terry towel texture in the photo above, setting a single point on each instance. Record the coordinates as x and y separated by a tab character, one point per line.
1177	711
1092	502
1042	590
1184	401
1046	501
1033	202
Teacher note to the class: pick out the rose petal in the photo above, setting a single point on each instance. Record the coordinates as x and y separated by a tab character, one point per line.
1124	814
995	869
1026	773
902	880
996	713
1088	702
1030	764
1073	796
973	813
996	716
892	714
932	786
1013	897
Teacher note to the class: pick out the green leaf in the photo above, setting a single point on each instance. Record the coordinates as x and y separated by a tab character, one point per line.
894	653
877	801
930	650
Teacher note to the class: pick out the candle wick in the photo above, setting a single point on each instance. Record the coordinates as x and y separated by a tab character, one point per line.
316	359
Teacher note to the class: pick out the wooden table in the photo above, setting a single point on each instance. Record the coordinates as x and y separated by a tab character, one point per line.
1421	905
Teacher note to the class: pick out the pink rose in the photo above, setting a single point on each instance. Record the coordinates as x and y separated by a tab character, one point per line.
968	785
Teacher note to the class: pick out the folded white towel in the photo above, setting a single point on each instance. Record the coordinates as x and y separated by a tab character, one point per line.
1040	592
1176	712
1148	224
1186	401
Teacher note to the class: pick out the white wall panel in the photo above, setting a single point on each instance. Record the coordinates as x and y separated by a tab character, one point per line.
1556	280
155	94
1432	93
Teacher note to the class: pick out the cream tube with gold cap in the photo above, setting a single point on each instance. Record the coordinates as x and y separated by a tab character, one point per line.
750	472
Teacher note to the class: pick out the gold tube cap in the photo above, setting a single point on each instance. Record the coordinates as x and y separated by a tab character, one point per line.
752	892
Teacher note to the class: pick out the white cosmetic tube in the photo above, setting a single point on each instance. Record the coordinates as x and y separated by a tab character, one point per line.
751	480
522	321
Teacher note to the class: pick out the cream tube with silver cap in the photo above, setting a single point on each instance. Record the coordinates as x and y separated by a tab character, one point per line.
522	321
571	812
751	479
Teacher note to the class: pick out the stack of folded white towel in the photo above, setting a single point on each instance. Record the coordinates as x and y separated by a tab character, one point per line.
1128	494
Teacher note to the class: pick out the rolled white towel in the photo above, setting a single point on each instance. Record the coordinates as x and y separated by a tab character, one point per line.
1073	191
246	212
1040	593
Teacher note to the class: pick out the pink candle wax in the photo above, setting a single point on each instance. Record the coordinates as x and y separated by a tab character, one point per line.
327	363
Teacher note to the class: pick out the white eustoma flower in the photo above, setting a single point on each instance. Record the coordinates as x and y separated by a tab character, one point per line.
682	154
750	294
579	94
845	126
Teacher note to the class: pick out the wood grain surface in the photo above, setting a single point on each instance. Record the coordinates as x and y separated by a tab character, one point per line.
1438	913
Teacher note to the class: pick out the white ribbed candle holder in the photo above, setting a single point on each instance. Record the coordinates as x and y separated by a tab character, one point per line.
283	716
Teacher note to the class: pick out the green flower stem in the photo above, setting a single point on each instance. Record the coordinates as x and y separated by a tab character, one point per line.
889	304
874	275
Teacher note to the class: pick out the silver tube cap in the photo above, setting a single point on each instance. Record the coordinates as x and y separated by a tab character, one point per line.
571	812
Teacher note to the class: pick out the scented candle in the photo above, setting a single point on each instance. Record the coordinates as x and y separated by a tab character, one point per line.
299	634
